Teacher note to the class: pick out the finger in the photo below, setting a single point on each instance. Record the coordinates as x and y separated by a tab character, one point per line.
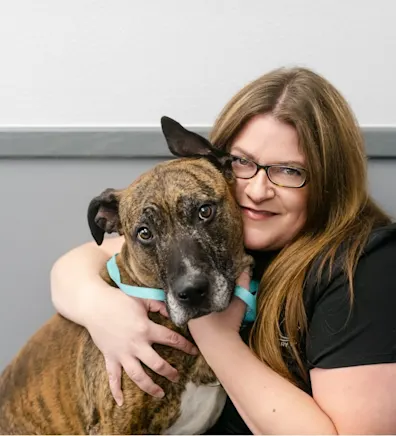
162	335
114	371
157	306
159	365
244	279
163	311
136	373
237	305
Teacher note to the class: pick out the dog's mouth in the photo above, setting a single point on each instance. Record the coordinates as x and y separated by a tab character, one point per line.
193	297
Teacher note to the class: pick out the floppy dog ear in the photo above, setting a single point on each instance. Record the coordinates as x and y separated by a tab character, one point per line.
103	214
183	142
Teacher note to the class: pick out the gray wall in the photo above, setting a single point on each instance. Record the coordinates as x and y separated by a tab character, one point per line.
43	214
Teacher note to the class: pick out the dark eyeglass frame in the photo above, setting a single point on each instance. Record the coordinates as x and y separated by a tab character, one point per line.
266	168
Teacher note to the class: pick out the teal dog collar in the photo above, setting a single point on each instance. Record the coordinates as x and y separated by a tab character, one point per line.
248	296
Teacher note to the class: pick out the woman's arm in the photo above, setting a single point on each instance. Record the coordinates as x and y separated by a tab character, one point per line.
268	403
353	400
75	280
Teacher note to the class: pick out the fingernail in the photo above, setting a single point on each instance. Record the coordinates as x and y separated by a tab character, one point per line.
159	394
119	401
194	350
176	378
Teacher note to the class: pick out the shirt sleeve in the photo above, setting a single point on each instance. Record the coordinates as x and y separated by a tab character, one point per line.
341	335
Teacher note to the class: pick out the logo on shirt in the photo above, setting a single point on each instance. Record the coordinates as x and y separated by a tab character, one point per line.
284	341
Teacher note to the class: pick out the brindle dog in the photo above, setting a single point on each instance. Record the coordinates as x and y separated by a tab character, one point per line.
183	234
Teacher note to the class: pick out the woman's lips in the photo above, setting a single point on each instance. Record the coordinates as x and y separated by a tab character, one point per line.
257	215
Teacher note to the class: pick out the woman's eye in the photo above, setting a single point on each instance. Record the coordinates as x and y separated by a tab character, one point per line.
291	171
144	234
205	212
243	162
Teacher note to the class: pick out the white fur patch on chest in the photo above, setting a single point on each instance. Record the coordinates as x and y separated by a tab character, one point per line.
200	408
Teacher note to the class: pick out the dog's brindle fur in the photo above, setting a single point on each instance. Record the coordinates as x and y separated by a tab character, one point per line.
58	383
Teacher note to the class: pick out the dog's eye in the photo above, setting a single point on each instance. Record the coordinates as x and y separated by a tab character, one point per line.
205	212
144	234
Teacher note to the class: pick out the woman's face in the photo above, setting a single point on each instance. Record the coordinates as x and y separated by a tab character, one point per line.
272	214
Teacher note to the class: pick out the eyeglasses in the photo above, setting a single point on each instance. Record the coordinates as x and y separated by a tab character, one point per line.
280	175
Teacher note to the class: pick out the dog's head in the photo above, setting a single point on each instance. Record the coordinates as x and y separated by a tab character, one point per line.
182	226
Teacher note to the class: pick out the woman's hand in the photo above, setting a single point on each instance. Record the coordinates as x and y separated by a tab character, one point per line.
122	331
227	321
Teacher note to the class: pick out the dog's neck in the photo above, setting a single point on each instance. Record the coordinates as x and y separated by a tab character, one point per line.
128	275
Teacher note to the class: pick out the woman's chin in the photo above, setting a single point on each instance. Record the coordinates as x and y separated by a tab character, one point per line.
258	242
255	244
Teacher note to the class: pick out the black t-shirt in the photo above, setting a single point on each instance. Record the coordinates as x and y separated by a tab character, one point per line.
339	335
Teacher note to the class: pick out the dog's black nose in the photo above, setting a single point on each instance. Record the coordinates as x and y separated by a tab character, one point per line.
193	292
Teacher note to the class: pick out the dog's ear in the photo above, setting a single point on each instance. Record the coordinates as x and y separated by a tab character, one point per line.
183	142
103	214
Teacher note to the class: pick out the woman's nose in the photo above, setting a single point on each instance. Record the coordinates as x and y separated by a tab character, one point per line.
260	188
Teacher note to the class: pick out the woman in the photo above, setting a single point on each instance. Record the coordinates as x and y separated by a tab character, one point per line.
321	355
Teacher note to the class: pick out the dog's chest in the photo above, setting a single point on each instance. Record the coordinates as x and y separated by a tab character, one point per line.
200	408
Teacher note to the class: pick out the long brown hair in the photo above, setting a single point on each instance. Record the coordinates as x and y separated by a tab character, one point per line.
340	210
